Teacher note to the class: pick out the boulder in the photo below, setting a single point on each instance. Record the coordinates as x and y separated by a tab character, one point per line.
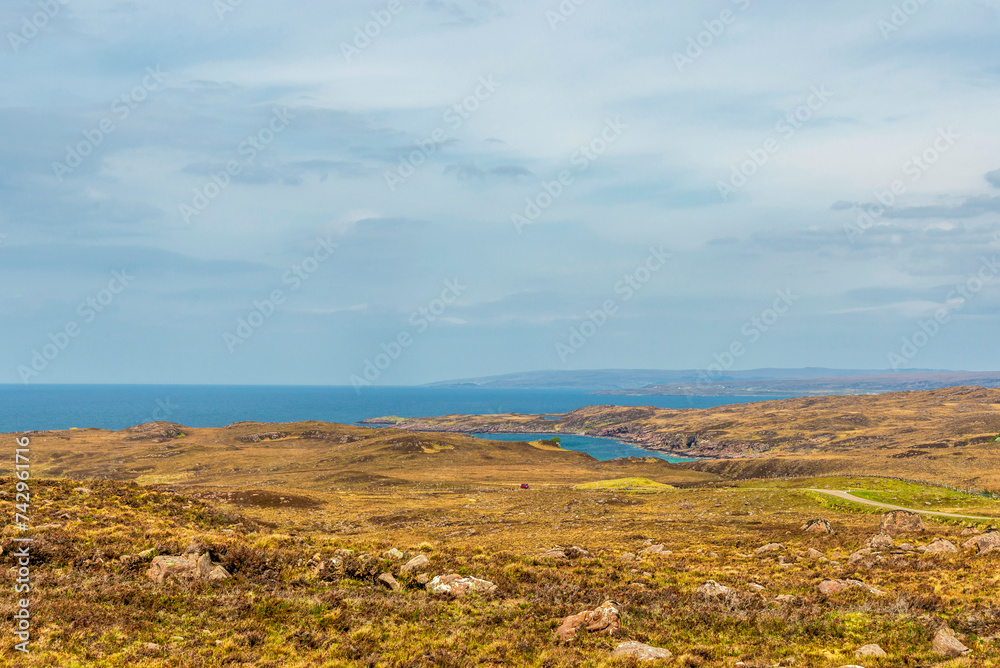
417	563
604	619
640	651
858	555
458	586
869	650
940	545
813	553
946	644
817	525
713	589
393	554
987	542
186	566
881	542
831	587
388	581
686	505
572	552
652	549
766	549
900	521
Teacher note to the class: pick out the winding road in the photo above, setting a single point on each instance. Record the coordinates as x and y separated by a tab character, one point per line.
841	494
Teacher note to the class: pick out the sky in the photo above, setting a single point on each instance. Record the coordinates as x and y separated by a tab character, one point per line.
407	191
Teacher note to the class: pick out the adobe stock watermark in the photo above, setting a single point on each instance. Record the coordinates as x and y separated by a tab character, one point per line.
915	168
420	321
250	147
22	555
562	12
223	7
786	128
455	116
32	25
927	330
752	330
164	409
702	41
121	108
582	158
295	277
88	310
900	16
626	287
364	35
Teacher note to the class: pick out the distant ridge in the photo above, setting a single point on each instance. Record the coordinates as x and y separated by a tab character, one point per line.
696	381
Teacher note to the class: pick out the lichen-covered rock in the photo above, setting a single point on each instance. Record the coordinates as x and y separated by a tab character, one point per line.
880	542
818	525
900	521
946	644
939	546
831	587
640	651
458	586
187	566
987	542
604	619
872	650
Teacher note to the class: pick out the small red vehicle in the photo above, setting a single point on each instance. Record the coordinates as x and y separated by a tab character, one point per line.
525	486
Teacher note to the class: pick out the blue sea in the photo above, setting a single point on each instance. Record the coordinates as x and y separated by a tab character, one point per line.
39	407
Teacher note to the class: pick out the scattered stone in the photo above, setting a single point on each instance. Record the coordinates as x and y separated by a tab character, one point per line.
187	566
831	587
859	555
786	598
423	578
813	553
417	563
946	644
770	547
573	552
987	542
756	587
394	553
151	647
880	542
900	521
817	525
940	545
389	581
456	585
628	556
869	650
640	651
686	505
713	589
604	619
652	549
82	490
970	531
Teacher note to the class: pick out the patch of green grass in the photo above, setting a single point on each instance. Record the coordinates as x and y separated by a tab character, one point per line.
625	485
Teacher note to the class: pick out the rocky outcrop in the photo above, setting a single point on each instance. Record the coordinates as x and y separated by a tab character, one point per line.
985	543
946	644
640	651
458	586
818	525
604	619
192	567
896	522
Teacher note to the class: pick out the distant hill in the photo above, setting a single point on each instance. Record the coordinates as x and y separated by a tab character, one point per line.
696	382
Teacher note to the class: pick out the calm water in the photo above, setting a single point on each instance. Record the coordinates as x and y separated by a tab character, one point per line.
31	407
598	448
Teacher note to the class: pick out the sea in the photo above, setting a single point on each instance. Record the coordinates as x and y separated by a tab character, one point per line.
43	407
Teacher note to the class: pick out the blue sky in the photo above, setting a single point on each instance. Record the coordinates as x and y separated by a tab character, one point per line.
482	187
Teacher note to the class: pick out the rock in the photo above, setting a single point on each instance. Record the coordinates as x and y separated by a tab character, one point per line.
628	556
813	553
653	549
640	651
831	587
457	585
881	542
987	542
686	505
970	531
394	554
713	589
82	490
423	578
900	521
869	650
573	552
151	647
388	581
417	563
766	549
946	644
817	525
604	619
756	587
786	598
859	555
187	566
940	545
